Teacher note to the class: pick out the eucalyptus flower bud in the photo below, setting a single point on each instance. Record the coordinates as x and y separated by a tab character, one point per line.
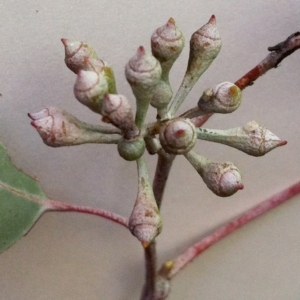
131	149
59	128
145	221
252	138
90	88
177	136
205	45
143	72
167	43
75	53
161	98
223	179
99	66
224	98
117	110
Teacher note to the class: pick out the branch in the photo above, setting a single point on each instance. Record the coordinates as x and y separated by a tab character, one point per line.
192	252
278	53
53	205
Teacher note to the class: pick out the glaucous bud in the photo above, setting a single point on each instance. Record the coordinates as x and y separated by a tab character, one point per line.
252	138
59	128
223	179
131	149
205	44
75	53
143	72
145	221
224	98
177	136
167	43
90	88
117	110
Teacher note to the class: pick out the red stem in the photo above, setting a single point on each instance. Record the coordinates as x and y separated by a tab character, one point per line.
192	252
278	53
52	205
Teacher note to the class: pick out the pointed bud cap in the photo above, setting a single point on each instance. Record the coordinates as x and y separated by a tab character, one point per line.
178	136
75	53
90	88
143	70
167	42
225	98
260	140
205	45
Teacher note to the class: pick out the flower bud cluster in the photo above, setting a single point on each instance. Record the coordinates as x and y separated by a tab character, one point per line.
148	75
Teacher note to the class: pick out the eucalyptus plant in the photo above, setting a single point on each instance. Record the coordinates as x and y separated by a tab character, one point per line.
22	200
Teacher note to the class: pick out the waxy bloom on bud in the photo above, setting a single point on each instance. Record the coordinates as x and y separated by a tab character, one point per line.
59	128
252	138
223	179
205	45
90	88
75	53
100	66
224	98
143	72
117	110
167	43
145	221
178	136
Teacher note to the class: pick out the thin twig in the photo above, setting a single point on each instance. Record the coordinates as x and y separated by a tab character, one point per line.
278	53
150	262
53	205
192	252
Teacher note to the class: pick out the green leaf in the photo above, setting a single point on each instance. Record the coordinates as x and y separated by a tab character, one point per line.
21	202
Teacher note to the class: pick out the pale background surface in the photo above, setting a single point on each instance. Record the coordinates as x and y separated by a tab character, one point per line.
75	257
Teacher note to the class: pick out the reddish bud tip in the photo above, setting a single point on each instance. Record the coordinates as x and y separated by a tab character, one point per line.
282	143
141	50
212	20
240	186
64	41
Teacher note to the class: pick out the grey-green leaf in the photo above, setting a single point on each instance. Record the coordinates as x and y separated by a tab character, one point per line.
21	202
